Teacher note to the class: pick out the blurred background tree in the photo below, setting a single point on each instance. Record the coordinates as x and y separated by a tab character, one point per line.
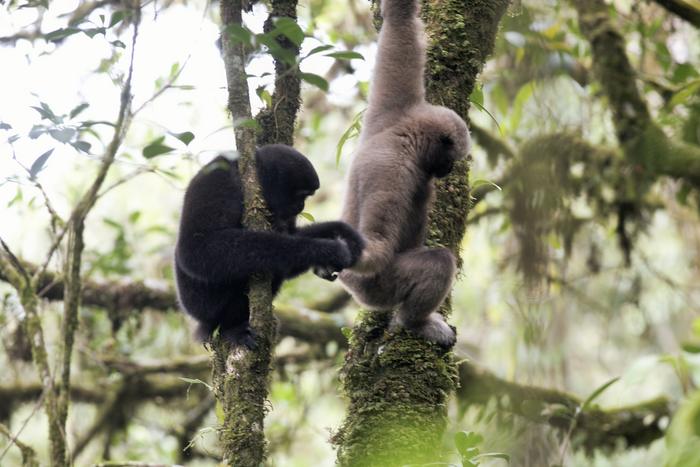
577	307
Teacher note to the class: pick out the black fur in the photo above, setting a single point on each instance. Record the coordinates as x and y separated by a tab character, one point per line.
215	256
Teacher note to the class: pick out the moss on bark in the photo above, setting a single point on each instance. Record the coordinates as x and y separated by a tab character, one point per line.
277	120
398	385
241	375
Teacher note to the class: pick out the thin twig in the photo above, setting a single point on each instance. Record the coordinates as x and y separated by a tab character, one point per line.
13	438
125	179
15	262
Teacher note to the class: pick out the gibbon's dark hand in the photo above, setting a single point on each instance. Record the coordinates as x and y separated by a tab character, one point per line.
326	273
354	241
337	263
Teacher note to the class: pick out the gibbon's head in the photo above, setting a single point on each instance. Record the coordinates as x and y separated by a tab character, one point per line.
442	138
287	178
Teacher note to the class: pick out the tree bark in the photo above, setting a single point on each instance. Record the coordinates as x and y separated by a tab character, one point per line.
240	375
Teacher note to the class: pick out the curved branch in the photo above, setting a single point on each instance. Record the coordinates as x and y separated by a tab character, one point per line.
636	425
688	10
645	144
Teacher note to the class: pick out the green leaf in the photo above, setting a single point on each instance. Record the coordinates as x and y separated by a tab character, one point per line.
59	34
156	148
319	49
290	29
185	137
17	198
92	32
466	440
239	34
346	55
38	164
684	72
117	16
486	111
73	113
247	123
46	112
114	224
63	135
307	216
691	347
477	96
82	146
686	92
36	131
524	94
598	392
174	70
481	181
351	132
264	95
316	80
273	48
347	332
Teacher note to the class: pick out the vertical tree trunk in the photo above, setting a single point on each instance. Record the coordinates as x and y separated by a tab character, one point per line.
241	376
398	385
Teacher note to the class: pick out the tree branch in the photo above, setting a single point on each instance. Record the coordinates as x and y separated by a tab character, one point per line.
646	146
121	299
277	121
636	425
241	375
76	227
28	455
688	10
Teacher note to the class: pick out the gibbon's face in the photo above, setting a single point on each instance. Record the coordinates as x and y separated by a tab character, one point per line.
287	178
446	157
298	199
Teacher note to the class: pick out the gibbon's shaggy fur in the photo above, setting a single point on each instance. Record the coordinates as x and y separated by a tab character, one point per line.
404	144
215	256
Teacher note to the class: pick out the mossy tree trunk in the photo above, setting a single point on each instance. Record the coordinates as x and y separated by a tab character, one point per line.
398	385
240	375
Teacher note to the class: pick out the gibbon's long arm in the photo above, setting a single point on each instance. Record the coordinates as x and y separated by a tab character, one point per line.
233	254
335	230
398	74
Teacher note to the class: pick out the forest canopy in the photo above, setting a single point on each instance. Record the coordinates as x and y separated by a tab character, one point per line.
575	221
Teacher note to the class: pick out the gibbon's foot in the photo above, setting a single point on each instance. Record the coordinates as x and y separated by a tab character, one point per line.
239	336
433	329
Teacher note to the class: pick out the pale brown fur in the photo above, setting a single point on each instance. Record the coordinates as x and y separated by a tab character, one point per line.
405	143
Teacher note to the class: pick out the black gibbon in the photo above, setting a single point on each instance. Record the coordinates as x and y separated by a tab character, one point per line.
404	144
215	256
